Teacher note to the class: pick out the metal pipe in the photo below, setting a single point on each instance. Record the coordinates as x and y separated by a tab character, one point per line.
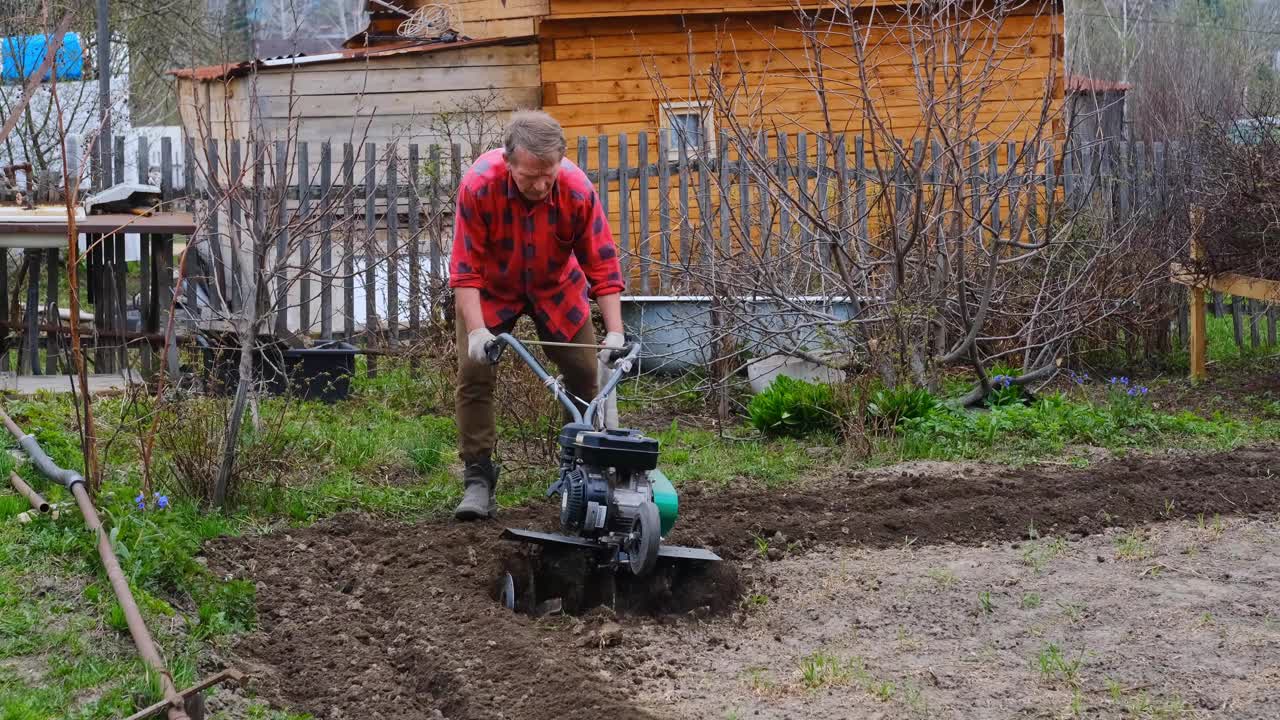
25	491
74	482
621	368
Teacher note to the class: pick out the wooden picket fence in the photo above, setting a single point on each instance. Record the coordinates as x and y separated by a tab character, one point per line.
362	233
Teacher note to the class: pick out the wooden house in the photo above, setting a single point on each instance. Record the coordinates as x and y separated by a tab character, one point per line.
395	90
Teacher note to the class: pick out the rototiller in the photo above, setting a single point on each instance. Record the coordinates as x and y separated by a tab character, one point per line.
614	501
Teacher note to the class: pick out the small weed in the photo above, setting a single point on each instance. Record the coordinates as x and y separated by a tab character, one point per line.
1205	620
1076	707
1030	601
755	601
943	578
882	690
908	541
985	605
1114	689
1054	666
762	546
821	669
1167	512
1074	611
1131	546
1218	526
732	715
760	683
1037	554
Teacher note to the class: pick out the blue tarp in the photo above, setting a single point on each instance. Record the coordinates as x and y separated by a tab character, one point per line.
22	56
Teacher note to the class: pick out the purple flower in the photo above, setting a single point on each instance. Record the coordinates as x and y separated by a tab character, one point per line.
162	501
140	502
1002	380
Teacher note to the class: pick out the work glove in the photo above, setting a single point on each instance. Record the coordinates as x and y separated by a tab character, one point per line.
476	341
609	410
613	341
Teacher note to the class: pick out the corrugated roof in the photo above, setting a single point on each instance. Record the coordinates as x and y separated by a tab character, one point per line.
410	47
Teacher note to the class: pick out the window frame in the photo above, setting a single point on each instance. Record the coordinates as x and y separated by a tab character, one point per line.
668	111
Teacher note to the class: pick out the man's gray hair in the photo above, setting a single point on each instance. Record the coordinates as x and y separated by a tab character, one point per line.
537	132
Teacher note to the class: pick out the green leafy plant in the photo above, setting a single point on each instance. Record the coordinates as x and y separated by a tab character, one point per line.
794	408
890	407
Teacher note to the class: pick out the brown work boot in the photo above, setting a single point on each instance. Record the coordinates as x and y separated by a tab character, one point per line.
480	480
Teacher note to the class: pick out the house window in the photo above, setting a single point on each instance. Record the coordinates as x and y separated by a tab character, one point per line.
689	124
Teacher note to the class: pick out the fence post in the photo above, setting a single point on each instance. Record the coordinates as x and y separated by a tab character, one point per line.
646	256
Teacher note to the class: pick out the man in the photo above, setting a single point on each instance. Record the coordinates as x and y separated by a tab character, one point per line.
531	238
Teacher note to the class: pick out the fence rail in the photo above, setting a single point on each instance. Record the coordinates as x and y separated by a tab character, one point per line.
360	235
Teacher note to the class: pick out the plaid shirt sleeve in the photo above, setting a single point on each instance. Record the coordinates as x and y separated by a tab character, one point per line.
468	243
595	249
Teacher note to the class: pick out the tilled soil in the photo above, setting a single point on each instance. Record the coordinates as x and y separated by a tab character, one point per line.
372	619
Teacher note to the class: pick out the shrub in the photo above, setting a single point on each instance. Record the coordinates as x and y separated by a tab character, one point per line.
890	407
794	407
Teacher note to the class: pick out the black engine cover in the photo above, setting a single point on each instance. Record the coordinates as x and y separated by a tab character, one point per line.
626	450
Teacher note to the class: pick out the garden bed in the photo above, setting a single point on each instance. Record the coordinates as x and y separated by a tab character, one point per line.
896	591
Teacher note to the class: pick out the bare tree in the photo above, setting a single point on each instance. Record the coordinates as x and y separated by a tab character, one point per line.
931	213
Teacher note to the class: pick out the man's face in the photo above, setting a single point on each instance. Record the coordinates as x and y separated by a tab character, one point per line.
533	175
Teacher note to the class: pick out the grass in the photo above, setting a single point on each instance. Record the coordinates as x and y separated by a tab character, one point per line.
1055	667
390	451
1037	553
821	669
1132	546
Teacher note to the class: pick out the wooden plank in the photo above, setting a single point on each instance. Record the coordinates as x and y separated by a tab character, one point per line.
511	91
121	300
146	308
706	244
686	229
437	223
118	161
415	245
646	258
52	340
29	357
820	249
235	289
842	191
393	245
1198	336
1218	308
1237	320
213	236
163	245
1271	324
304	239
864	214
783	173
327	202
624	205
724	181
456	166
281	304
664	209
370	278
1255	312
4	301
348	242
260	234
744	190
602	170
803	198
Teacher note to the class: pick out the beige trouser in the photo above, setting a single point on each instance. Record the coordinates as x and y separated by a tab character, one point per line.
474	396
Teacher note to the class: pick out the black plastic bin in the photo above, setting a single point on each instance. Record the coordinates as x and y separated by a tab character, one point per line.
322	372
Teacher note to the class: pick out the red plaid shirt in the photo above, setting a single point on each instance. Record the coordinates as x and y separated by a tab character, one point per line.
534	258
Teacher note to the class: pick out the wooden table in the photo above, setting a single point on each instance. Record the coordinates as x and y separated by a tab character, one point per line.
107	283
